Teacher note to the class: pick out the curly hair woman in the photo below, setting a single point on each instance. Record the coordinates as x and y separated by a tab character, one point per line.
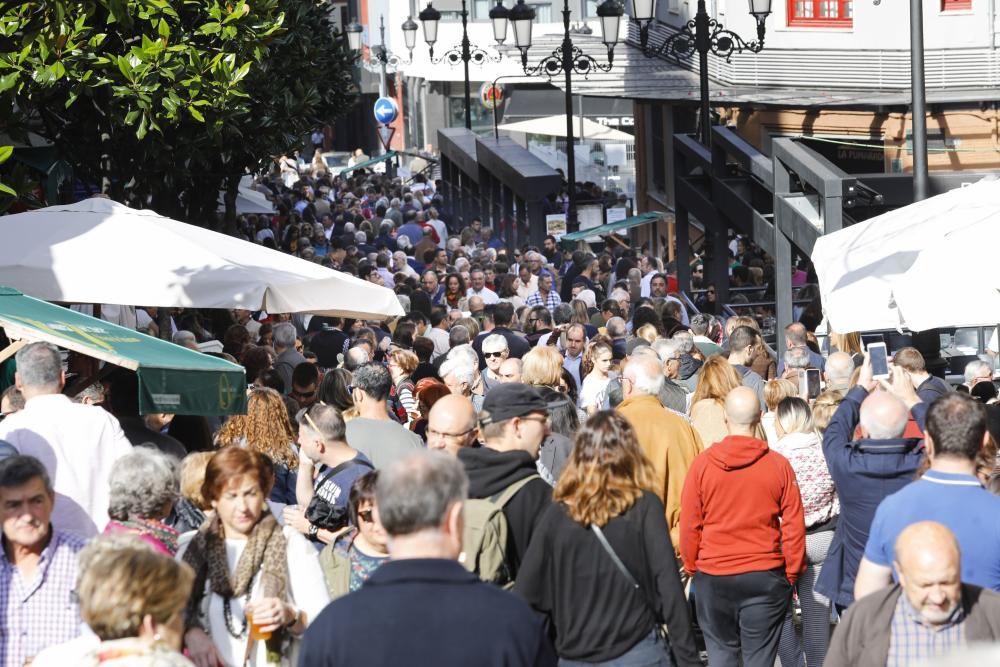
265	428
604	494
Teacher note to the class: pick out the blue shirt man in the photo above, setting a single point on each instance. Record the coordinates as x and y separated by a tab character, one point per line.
949	493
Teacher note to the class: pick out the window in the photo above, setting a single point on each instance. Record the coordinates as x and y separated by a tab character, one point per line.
590	8
543	13
956	5
821	13
481	10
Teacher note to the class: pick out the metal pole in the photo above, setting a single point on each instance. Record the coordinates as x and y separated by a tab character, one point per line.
919	106
466	57
383	86
701	40
567	65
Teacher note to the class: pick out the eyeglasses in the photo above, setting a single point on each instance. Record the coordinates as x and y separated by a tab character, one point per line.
493	355
303	394
431	433
532	320
366	515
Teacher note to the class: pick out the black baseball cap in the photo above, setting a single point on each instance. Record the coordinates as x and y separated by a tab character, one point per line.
506	401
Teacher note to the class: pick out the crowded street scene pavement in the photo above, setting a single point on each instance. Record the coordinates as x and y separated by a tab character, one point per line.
278	388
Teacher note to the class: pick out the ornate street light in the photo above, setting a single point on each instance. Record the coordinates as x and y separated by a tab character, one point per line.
354	31
701	35
568	59
465	52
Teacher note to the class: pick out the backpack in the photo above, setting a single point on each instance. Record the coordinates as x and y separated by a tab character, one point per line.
485	535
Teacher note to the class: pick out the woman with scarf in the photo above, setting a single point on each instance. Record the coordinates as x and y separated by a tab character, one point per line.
247	570
145	485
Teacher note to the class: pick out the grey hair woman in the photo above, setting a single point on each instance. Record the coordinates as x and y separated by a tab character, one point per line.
145	483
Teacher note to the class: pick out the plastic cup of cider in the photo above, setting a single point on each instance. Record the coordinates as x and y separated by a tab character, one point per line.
255	632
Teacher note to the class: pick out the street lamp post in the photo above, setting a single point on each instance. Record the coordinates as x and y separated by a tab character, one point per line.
379	55
702	34
465	52
568	59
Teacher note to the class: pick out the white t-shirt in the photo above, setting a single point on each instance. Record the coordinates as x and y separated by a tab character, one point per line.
594	392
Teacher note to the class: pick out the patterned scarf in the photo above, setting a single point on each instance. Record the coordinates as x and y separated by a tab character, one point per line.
151	528
264	552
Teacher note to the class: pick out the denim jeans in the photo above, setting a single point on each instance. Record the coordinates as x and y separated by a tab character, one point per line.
650	652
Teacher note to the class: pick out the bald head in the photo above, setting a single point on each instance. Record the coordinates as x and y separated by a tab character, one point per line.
510	370
839	368
451	425
926	540
742	410
883	416
929	565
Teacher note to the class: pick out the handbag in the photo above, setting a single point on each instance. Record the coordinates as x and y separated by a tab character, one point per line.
660	626
322	514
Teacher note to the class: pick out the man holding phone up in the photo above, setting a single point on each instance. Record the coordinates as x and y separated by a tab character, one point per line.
867	469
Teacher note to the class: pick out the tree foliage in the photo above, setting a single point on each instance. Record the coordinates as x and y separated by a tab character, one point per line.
166	100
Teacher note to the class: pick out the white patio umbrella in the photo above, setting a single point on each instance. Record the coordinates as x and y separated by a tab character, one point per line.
555	126
919	267
100	251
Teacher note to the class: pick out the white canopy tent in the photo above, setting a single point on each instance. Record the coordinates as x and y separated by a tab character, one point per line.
555	126
923	266
100	251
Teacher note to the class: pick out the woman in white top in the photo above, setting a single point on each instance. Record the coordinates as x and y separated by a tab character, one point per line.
246	565
597	366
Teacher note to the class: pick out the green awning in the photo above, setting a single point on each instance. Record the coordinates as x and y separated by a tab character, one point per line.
568	241
172	379
369	163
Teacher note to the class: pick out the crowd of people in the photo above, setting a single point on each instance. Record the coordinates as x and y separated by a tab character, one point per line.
549	459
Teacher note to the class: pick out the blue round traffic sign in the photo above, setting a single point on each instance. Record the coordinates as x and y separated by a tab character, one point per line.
386	110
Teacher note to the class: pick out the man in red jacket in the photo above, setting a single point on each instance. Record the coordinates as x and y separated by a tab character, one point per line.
743	538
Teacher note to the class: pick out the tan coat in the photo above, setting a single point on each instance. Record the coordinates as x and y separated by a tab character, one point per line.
670	443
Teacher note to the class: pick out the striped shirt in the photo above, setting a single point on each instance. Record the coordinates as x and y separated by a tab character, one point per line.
43	611
913	641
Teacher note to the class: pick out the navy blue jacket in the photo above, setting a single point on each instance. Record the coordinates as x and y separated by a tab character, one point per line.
427	612
865	472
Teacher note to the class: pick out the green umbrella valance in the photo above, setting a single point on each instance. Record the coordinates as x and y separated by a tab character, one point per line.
172	379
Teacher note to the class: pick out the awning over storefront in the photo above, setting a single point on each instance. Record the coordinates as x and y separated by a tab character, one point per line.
172	379
568	241
368	164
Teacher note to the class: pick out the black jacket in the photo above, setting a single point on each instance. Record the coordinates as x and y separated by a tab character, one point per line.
490	472
596	614
140	435
427	612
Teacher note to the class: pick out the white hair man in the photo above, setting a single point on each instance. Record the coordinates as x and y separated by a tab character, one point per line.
460	376
667	439
496	350
78	444
975	372
672	395
838	372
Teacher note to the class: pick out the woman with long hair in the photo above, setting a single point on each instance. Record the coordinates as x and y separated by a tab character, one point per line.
799	442
596	369
604	494
849	343
333	391
454	291
708	413
265	428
